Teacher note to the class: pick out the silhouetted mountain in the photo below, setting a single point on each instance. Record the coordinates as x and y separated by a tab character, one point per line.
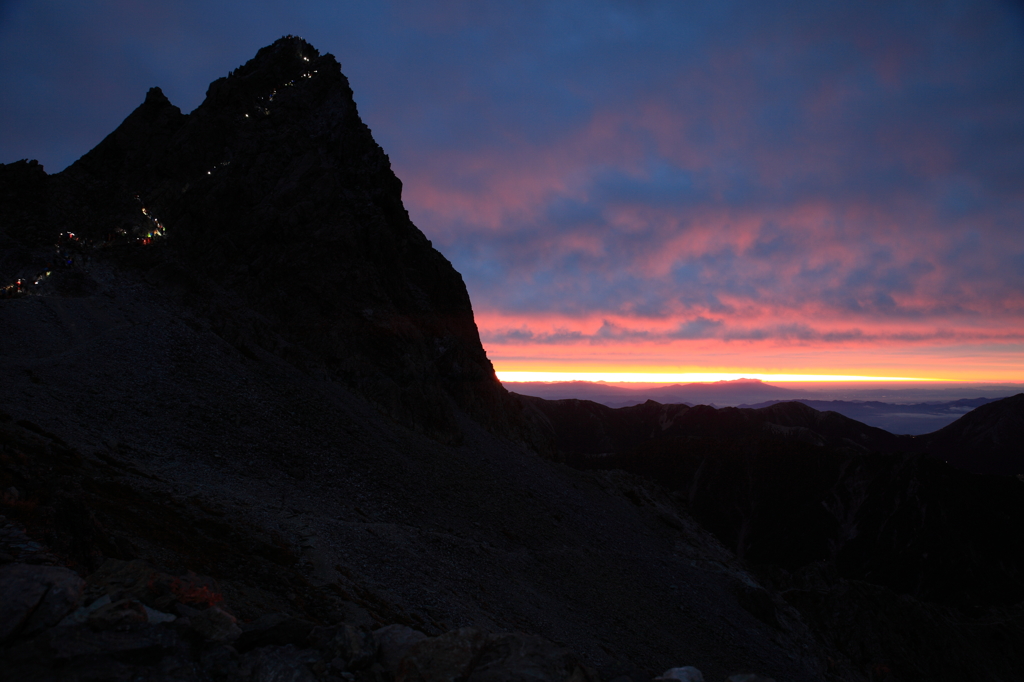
735	392
897	418
611	395
274	189
756	476
586	427
721	393
911	419
582	427
987	440
248	431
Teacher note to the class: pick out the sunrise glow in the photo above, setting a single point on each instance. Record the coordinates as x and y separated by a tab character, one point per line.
690	377
814	198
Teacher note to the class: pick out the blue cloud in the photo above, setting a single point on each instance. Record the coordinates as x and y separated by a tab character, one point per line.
700	159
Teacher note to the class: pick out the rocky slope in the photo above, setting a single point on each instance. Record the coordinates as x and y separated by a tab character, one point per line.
863	539
247	427
295	496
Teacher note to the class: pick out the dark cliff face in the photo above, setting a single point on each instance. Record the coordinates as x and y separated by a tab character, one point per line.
275	190
24	194
24	223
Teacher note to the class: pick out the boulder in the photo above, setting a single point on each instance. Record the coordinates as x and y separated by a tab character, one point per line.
36	597
347	647
138	642
525	658
393	641
448	657
118	613
274	629
216	625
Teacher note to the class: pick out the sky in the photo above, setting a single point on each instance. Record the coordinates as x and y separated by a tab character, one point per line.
745	188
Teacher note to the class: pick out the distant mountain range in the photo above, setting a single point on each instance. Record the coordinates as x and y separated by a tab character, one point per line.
915	418
986	440
719	393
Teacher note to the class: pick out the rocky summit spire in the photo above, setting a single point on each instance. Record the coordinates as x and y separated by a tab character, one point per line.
274	189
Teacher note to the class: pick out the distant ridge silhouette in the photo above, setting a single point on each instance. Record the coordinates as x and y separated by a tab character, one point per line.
987	440
721	393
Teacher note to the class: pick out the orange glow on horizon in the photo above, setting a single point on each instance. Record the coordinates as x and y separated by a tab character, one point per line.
706	362
692	377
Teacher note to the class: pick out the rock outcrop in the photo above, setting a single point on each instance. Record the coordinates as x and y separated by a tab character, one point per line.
53	626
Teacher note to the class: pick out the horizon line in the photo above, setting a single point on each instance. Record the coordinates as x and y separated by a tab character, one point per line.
693	377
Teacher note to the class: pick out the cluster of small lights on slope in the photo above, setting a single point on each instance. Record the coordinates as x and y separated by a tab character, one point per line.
72	251
270	97
156	228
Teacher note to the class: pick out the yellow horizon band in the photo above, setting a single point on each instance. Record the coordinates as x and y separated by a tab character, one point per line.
671	378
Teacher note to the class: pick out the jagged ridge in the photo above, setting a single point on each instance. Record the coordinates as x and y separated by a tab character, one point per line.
275	189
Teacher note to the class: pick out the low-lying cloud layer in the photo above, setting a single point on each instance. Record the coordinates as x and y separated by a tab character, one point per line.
714	180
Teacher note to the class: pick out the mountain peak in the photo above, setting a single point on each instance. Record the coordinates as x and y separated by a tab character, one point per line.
286	62
275	190
156	97
286	55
